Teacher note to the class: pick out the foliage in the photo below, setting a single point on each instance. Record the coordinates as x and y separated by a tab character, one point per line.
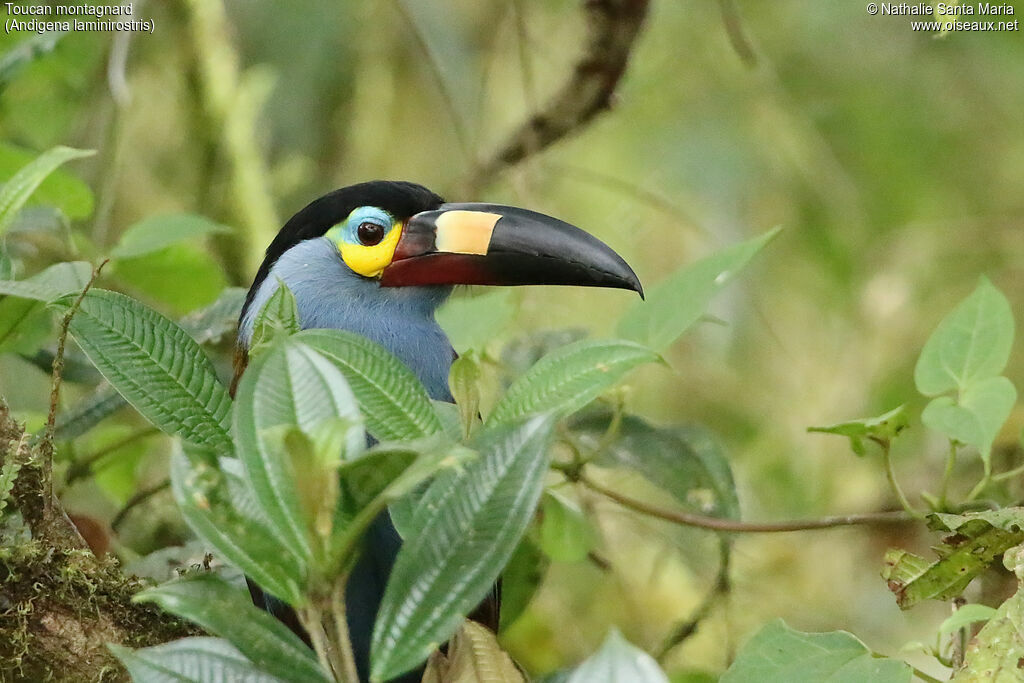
204	126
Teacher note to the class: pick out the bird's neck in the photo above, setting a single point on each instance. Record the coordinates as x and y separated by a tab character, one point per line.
329	295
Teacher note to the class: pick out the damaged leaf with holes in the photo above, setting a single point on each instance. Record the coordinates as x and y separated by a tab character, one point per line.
973	542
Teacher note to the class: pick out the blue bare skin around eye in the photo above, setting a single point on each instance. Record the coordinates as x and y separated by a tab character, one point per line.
330	295
361	215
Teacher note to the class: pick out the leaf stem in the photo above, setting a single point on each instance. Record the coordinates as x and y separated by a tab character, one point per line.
342	639
1009	474
980	487
736	526
890	474
947	475
312	621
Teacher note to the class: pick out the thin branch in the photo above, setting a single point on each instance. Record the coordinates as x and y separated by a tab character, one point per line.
83	467
442	84
612	27
736	526
734	30
46	447
138	499
683	630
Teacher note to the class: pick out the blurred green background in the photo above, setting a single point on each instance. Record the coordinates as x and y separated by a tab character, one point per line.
893	159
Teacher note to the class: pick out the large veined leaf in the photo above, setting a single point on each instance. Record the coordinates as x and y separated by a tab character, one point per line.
392	400
158	232
216	512
686	462
467	525
228	612
197	660
569	378
779	654
971	343
618	660
16	191
208	324
291	385
473	656
155	365
678	302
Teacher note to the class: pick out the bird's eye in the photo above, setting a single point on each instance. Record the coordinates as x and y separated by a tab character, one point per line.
370	233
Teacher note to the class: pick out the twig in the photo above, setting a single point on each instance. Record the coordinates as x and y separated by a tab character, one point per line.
734	30
612	27
138	499
736	526
46	447
442	85
82	467
685	629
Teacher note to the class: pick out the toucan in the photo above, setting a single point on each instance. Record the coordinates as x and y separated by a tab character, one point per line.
377	259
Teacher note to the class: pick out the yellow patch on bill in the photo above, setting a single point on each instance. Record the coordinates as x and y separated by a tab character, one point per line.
465	232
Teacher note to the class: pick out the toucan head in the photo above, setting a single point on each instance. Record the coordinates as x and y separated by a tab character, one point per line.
400	235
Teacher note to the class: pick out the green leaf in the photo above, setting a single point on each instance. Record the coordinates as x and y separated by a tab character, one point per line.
206	325
8	473
521	580
88	412
383	476
154	233
678	302
6	265
21	55
391	398
976	417
779	654
965	616
569	378
463	381
686	462
618	660
210	323
995	654
16	191
885	427
197	277
467	526
472	322
191	660
279	316
566	534
49	284
473	656
24	323
211	508
290	385
971	343
977	539
228	612
155	365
